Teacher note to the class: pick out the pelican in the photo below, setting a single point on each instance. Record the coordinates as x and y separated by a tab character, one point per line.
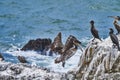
57	45
115	23
68	50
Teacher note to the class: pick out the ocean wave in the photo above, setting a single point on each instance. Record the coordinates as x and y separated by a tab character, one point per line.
35	58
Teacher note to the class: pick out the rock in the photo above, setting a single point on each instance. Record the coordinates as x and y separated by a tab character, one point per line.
22	59
1	57
3	67
16	70
24	72
99	61
37	45
6	77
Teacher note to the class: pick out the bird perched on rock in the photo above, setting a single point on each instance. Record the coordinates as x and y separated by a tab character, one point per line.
22	59
57	45
114	38
68	50
94	31
68	44
115	23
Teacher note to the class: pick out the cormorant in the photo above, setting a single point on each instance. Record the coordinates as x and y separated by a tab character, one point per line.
115	22
114	38
94	31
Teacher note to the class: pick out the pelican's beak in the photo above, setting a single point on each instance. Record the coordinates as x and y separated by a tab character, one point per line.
78	43
115	17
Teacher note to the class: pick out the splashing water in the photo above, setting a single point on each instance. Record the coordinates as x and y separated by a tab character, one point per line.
36	59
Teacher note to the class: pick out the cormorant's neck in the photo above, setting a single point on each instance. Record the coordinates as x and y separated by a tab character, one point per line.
92	25
111	32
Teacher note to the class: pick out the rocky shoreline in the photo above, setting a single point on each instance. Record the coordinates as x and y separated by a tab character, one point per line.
99	61
22	71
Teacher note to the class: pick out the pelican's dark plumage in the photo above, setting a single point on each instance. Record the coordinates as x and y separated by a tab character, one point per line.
114	38
115	17
115	23
68	44
57	45
68	50
94	31
117	26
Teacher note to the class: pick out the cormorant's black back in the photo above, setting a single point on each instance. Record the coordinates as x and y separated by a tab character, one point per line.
114	38
94	31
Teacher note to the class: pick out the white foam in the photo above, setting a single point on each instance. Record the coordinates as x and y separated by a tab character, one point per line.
48	61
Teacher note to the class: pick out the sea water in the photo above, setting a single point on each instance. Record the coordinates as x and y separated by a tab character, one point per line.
22	20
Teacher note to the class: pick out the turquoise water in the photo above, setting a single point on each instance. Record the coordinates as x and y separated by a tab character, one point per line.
22	20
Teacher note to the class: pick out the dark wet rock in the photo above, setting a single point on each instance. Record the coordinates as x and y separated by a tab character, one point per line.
23	78
29	78
37	45
3	67
47	78
16	70
26	65
6	77
1	57
22	59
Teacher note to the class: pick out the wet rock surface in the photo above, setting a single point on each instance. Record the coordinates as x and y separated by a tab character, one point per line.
22	71
22	59
37	45
1	57
16	69
99	61
3	67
